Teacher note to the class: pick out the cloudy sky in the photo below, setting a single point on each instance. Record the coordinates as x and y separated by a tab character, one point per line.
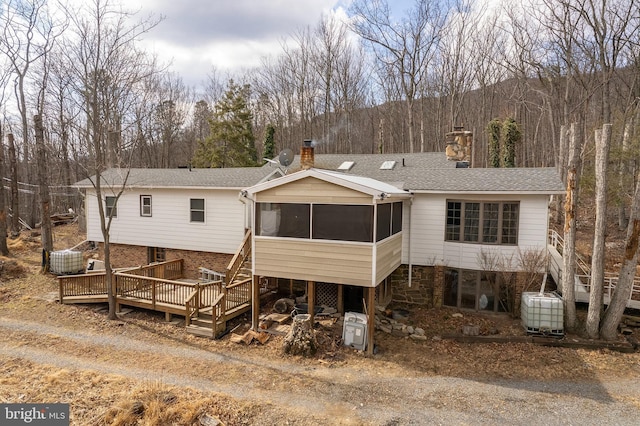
229	34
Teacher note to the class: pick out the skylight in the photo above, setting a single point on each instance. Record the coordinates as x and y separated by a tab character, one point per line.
388	165
347	165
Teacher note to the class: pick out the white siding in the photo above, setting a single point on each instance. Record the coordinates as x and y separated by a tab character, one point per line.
170	226
428	217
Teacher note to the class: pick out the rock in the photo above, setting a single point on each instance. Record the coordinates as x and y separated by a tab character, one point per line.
436	338
457	315
410	330
417	337
328	310
470	330
385	328
283	306
419	331
207	420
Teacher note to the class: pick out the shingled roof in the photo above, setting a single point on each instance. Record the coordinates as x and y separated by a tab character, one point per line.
231	178
419	172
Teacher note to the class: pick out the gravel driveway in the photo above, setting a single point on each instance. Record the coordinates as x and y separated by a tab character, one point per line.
339	395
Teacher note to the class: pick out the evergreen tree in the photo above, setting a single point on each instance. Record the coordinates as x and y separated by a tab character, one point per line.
269	144
511	136
231	142
493	133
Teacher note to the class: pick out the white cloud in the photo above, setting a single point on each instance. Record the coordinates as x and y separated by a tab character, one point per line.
229	34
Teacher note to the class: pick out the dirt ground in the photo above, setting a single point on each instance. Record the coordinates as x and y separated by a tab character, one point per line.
143	370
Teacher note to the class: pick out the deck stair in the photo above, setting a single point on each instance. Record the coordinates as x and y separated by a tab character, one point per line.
232	297
582	275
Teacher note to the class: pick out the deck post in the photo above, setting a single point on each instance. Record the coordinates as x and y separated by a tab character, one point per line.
311	300
340	299
255	303
371	315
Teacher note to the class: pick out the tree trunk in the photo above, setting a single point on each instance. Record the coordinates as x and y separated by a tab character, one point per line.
569	254
597	260
560	167
623	220
45	199
4	250
618	303
15	202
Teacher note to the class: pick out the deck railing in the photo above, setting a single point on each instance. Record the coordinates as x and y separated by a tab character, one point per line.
169	270
154	290
202	296
237	294
82	285
583	274
242	254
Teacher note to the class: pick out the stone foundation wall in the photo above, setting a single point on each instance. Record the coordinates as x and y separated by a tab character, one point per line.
426	289
123	256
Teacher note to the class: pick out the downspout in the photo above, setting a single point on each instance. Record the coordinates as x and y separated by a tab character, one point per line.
409	248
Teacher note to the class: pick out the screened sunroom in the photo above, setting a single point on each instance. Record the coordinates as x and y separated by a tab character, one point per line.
323	226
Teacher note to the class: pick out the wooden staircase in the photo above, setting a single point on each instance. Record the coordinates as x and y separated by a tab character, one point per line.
207	313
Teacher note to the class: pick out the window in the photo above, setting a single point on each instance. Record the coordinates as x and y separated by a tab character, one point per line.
343	222
111	210
478	222
145	205
156	254
283	220
383	226
389	220
196	206
477	290
396	222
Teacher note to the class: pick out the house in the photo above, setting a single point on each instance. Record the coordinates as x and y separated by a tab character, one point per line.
416	228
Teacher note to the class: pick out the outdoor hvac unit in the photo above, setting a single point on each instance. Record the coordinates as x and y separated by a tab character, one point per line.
354	330
66	262
542	313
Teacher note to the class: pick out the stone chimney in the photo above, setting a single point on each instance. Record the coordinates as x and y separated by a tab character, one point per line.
306	155
459	145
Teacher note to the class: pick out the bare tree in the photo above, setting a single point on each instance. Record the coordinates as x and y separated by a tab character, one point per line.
570	210
618	303
406	47
597	260
27	35
107	68
4	249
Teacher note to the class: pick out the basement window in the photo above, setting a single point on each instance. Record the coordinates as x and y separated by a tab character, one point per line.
475	290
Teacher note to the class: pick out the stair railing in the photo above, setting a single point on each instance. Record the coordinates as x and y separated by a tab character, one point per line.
242	254
192	305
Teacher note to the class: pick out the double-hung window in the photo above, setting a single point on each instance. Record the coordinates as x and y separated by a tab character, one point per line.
111	210
482	222
196	209
145	205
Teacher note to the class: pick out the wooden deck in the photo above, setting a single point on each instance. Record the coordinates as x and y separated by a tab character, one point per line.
582	276
160	287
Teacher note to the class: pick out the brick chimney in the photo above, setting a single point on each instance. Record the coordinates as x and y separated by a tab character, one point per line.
306	155
459	145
